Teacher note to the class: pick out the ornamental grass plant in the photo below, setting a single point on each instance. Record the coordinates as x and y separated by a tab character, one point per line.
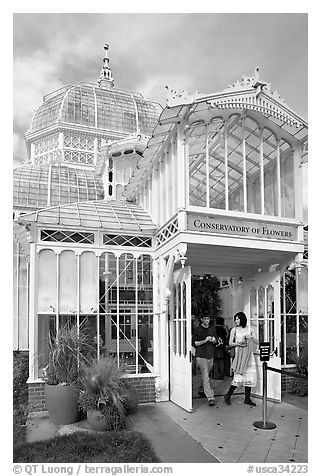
68	353
102	389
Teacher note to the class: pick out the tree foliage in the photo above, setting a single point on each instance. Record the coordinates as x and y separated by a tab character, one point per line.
206	298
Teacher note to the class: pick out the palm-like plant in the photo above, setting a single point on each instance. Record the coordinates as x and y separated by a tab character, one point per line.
103	389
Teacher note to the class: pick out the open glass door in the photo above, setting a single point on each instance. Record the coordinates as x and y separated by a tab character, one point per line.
262	306
180	339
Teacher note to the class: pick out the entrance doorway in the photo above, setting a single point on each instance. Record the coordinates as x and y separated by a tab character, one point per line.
207	300
259	298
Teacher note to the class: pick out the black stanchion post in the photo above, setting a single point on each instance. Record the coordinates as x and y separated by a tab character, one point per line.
264	425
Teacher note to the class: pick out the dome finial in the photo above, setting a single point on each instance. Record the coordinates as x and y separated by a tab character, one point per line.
106	79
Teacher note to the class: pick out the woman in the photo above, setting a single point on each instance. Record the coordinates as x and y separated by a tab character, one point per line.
245	342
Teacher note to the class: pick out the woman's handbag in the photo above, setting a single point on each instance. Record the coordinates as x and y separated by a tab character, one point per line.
231	350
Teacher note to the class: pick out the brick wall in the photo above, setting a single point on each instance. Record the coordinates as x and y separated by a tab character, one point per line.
36	397
144	386
288	382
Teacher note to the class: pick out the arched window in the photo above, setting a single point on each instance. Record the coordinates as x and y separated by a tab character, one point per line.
287	179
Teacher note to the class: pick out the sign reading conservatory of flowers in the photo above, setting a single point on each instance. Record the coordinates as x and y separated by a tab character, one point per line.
218	224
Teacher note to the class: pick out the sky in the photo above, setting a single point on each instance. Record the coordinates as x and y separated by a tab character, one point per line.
192	51
197	52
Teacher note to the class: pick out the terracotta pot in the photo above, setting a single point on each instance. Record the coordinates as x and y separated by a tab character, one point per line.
62	404
97	420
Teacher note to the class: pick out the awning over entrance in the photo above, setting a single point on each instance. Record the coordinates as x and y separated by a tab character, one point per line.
233	261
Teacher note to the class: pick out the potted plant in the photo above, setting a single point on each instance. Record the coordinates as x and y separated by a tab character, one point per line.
67	355
103	395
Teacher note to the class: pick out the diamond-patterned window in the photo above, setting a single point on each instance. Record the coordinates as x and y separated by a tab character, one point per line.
67	236
121	240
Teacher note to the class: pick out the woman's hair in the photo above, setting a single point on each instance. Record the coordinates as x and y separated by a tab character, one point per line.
242	317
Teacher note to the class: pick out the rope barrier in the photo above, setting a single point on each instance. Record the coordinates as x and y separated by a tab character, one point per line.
286	372
264	424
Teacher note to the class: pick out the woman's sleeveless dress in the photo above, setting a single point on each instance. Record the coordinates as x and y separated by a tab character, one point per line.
248	379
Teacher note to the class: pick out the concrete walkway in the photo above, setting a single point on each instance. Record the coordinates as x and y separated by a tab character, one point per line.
171	443
210	434
228	434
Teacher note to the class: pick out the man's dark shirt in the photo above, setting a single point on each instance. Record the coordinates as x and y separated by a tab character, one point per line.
204	350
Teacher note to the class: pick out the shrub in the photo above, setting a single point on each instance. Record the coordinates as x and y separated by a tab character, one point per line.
20	377
300	386
103	390
20	395
131	399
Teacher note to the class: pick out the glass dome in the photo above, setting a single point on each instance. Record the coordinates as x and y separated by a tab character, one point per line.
90	105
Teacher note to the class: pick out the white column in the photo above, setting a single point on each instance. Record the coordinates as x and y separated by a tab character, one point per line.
117	317
136	313
162	338
226	166
166	188
174	182
155	192
207	168
244	166
180	167
57	290
262	171
186	159
161	192
98	310
78	290
33	319
298	187
278	175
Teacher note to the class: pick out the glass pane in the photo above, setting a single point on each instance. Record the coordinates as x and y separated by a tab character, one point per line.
302	298
261	331
127	269
253	303
291	333
46	330
89	326
216	149
145	334
107	282
197	165
179	317
252	148
287	180
68	278
47	282
184	322
235	163
88	283
261	299
174	342
270	173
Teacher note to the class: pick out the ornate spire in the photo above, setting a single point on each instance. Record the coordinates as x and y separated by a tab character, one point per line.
106	80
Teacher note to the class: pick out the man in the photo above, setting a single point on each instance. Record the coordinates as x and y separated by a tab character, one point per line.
204	338
144	336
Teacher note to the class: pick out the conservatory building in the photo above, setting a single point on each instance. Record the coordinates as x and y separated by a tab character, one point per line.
122	203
